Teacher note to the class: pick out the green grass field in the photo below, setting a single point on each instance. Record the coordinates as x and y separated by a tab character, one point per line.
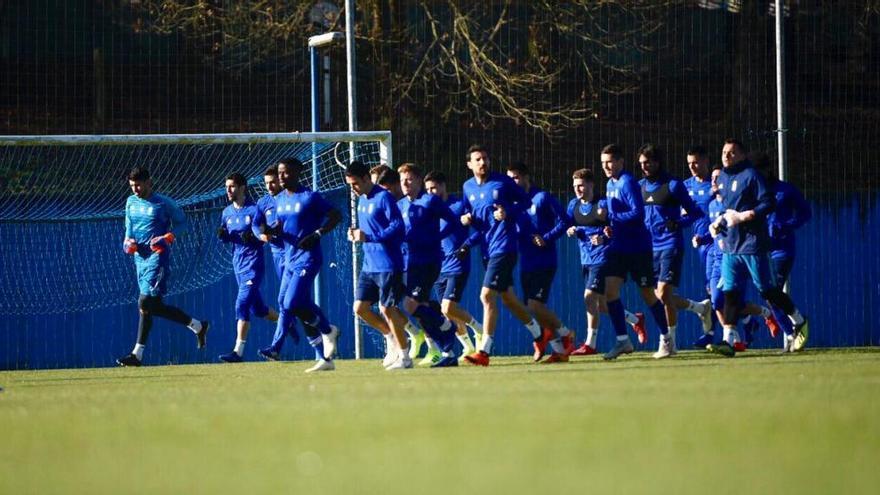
758	423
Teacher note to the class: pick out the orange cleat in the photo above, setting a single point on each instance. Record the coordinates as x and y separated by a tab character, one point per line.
583	350
556	357
772	325
540	344
640	329
739	347
478	358
568	343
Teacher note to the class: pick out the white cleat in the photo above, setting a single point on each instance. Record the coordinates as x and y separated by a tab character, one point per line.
329	340
665	350
322	365
706	315
402	362
391	355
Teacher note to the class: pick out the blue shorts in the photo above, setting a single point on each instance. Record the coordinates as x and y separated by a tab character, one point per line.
152	275
451	286
734	267
703	254
639	266
385	288
716	294
249	300
499	272
780	268
536	284
419	280
667	265
594	278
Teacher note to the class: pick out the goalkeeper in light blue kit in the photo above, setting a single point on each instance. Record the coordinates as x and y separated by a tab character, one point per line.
152	222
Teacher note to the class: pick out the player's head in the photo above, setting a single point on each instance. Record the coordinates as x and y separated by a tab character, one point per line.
761	162
733	152
411	183
478	160
435	183
716	172
582	182
698	161
271	181
650	159
357	176
389	179
611	158
519	172
288	172
376	171
236	186
140	182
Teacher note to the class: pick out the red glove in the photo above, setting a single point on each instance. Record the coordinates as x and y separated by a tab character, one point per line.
129	246
162	242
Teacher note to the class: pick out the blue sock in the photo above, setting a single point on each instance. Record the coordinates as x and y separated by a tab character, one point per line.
783	320
659	312
618	317
318	345
431	321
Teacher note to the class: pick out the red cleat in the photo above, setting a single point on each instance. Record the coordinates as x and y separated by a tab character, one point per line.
568	343
739	347
478	358
583	350
540	344
556	357
772	325
639	328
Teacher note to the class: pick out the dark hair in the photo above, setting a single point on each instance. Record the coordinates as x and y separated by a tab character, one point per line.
698	150
737	143
387	177
237	178
652	153
518	167
272	170
473	149
139	173
291	162
614	150
356	169
584	174
435	176
411	168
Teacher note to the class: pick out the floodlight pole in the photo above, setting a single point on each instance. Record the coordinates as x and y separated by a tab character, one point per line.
352	126
781	130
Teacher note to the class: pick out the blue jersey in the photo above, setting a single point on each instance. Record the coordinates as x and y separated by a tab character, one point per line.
585	219
455	236
301	212
422	230
152	217
701	192
742	188
499	238
792	212
626	212
665	198
266	218
247	257
546	219
716	209
380	220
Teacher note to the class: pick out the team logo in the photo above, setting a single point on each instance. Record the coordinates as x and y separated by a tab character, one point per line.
247	219
691	193
297	207
533	210
370	209
229	221
701	192
495	194
650	199
249	282
733	186
150	210
472	197
482	195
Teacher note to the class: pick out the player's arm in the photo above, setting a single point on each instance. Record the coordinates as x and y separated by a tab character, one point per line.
129	245
333	217
178	225
631	195
563	221
803	210
692	212
395	225
442	211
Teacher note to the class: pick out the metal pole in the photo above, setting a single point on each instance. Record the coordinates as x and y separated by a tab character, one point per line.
780	89
316	124
352	126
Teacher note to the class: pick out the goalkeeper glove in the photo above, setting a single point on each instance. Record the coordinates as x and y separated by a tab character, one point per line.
129	246
160	243
309	241
222	234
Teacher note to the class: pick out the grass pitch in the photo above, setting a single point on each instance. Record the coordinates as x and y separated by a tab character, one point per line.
758	423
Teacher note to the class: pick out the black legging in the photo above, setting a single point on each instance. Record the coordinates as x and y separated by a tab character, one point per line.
153	305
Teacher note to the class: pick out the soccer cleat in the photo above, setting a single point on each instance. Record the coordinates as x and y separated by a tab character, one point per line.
416	340
772	325
329	341
620	347
568	343
479	358
402	362
640	329
706	315
556	357
665	349
739	346
322	365
202	335
391	353
583	350
722	348
431	359
540	344
801	335
704	340
231	357
269	354
129	360
445	362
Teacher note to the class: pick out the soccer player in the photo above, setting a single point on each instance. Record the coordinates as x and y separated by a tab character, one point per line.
422	257
791	213
494	206
668	209
380	230
152	223
237	227
305	216
630	252
538	264
747	202
456	266
388	179
267	223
